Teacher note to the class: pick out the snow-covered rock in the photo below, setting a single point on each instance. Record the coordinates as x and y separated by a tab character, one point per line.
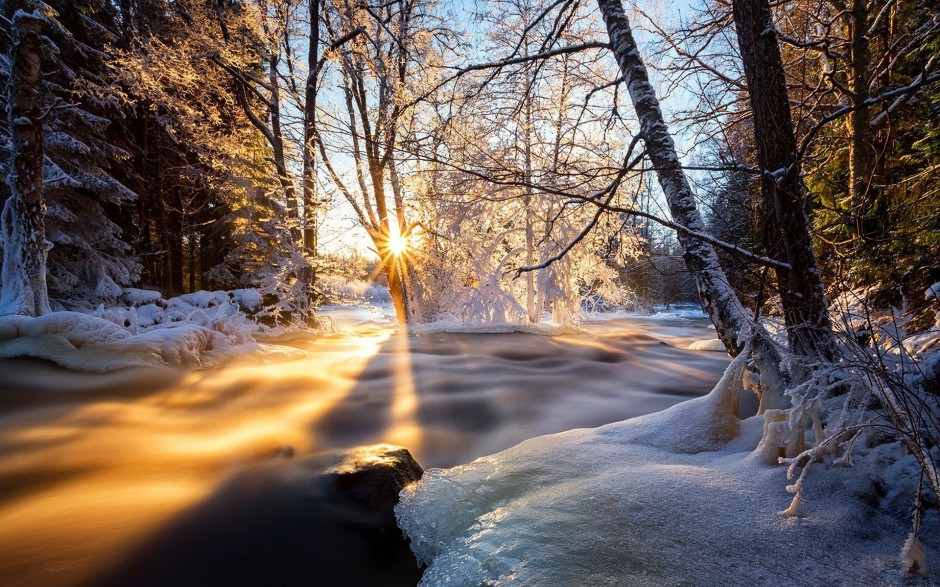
248	299
133	296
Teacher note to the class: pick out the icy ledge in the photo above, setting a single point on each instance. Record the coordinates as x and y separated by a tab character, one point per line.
678	498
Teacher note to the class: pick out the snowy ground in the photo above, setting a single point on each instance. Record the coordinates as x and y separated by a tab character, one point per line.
651	502
94	465
140	328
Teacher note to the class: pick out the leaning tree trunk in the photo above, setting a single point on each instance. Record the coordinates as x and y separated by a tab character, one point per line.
23	221
718	299
783	194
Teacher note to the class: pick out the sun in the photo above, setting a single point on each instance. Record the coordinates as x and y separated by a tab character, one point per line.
397	244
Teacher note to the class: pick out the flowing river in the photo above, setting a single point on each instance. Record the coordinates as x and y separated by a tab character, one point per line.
163	468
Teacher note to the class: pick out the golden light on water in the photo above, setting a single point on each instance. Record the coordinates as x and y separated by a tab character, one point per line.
406	430
104	477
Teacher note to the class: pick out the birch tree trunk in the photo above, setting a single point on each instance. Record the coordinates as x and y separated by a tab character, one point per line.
718	299
720	302
783	195
533	313
23	221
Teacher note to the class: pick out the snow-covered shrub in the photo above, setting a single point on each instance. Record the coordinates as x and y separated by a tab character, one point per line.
879	404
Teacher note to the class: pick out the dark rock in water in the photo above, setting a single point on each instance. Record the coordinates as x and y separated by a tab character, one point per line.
324	520
374	476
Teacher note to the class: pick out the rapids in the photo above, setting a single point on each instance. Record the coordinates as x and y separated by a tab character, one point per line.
97	469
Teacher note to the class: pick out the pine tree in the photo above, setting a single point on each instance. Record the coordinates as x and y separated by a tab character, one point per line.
88	257
23	217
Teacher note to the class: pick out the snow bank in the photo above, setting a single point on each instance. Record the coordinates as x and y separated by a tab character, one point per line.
681	497
344	316
193	330
90	343
678	314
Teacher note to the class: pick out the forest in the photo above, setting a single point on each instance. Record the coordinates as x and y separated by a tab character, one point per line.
216	188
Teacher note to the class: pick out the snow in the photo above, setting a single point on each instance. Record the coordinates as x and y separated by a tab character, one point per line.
659	313
711	344
912	555
139	297
680	497
353	291
201	299
347	316
678	314
91	343
455	325
199	329
249	299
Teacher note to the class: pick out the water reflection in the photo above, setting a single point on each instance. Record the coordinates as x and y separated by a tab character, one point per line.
94	467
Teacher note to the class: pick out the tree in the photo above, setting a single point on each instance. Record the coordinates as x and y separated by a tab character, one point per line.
783	195
512	143
719	301
81	151
314	65
85	155
216	156
23	220
379	54
859	84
